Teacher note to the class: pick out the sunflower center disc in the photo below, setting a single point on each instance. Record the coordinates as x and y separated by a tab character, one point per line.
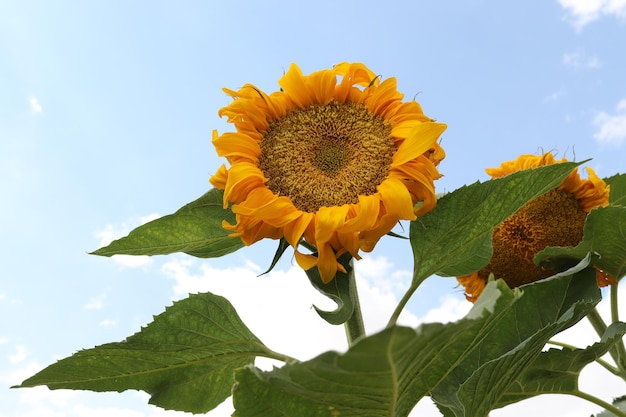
326	155
553	219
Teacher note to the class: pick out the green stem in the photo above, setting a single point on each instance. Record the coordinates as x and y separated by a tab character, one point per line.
354	326
612	369
270	354
405	299
619	346
614	307
609	407
617	351
597	322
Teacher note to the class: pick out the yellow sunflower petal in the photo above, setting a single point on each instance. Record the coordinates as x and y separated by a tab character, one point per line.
295	229
326	263
327	221
421	138
243	178
396	199
305	261
474	286
231	145
219	179
296	88
366	214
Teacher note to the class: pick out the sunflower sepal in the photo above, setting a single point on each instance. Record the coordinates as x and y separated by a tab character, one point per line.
339	290
280	250
195	229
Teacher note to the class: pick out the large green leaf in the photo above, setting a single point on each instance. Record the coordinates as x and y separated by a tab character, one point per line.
388	373
556	371
195	229
185	359
617	196
455	238
604	238
475	385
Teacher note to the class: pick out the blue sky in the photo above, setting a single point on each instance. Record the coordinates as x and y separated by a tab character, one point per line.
106	113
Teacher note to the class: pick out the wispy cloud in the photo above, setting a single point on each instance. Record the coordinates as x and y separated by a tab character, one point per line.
611	128
582	12
107	323
112	232
95	303
34	105
555	95
578	59
20	354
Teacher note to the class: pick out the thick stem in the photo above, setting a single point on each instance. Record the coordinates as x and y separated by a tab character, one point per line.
619	346
354	326
614	307
405	299
609	407
597	322
617	351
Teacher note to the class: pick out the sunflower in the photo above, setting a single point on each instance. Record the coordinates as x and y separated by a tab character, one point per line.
334	159
556	218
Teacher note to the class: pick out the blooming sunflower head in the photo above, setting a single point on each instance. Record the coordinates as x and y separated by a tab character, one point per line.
556	218
335	158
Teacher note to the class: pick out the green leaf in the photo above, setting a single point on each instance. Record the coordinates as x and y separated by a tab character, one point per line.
388	373
617	196
604	237
195	229
557	371
455	238
185	359
338	290
476	384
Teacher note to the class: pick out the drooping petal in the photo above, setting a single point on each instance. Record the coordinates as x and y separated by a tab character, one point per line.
421	138
295	229
231	145
296	88
219	180
396	199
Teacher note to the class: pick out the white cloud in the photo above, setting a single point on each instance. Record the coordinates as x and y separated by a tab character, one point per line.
582	12
95	303
283	299
112	232
611	128
579	59
451	309
555	96
20	354
107	323
267	304
34	105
